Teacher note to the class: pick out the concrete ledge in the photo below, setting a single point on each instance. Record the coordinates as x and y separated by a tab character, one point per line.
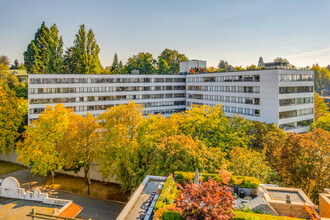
136	194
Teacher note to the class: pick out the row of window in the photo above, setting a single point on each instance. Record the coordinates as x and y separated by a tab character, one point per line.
295	77
234	110
105	98
296	113
240	78
295	89
103	89
105	107
296	101
164	111
104	80
295	125
238	89
232	99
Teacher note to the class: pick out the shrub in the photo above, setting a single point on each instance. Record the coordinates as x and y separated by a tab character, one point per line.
207	200
172	215
242	181
168	194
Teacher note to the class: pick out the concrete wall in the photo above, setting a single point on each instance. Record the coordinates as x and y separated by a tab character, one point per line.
324	205
12	158
94	170
94	174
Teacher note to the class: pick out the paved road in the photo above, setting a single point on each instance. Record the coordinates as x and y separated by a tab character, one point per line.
95	209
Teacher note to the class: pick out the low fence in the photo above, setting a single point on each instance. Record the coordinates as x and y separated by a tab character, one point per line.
94	169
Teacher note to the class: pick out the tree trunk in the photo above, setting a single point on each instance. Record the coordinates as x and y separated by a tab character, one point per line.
86	169
53	176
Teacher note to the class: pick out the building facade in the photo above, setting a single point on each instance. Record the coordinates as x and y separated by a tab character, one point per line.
281	96
164	94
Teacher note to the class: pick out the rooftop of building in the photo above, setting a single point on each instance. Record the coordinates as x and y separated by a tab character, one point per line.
18	209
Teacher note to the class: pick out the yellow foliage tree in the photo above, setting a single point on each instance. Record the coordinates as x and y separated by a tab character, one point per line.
12	112
117	156
81	142
41	148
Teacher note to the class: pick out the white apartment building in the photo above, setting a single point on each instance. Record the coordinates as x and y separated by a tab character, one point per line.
164	94
185	66
281	96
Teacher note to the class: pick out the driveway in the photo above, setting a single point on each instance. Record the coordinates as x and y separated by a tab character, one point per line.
95	209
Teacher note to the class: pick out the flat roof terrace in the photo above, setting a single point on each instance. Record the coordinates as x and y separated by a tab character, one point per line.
281	195
12	209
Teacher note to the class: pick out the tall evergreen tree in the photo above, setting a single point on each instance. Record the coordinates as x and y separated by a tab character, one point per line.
83	57
36	57
121	67
55	51
261	62
223	64
115	69
71	63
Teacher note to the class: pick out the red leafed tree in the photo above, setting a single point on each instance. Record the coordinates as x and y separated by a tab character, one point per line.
206	201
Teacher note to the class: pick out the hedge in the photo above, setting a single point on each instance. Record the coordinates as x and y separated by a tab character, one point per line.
242	181
254	216
172	215
168	194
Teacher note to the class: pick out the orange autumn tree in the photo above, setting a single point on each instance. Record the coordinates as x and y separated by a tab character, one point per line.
206	201
41	148
302	160
81	142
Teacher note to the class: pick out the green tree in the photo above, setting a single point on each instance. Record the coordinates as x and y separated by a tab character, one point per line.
258	131
245	162
121	66
210	125
71	63
182	153
144	62
223	64
280	59
55	51
169	61
115	69
43	138
8	79
321	113
15	66
4	62
83	57
12	112
321	78
163	67
261	62
320	107
36	57
120	125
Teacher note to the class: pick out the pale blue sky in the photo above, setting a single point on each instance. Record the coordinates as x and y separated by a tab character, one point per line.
239	31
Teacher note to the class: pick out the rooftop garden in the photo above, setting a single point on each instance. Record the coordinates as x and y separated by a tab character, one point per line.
210	198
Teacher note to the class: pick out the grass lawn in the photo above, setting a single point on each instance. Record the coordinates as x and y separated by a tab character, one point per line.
78	185
6	167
